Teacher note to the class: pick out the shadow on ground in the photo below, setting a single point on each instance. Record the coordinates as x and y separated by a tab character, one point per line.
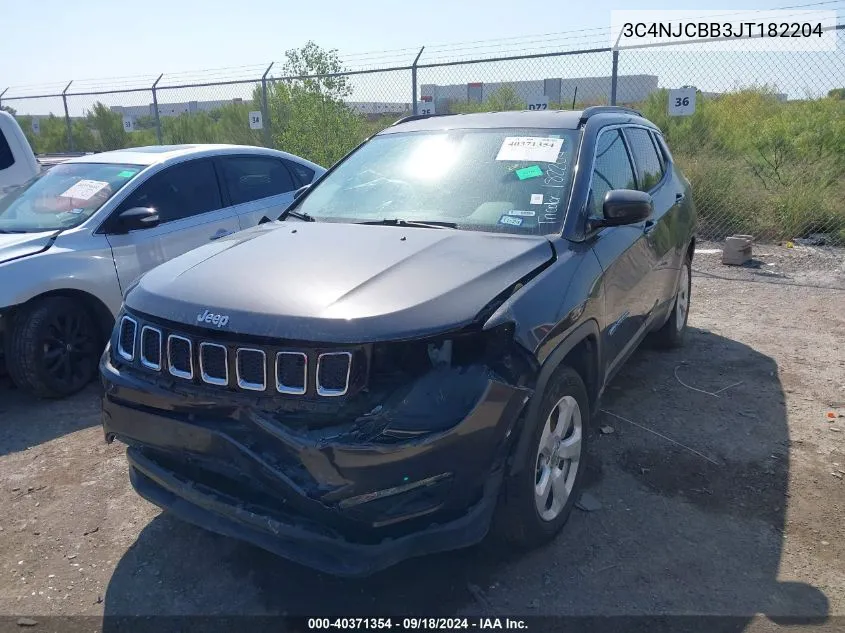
693	527
27	421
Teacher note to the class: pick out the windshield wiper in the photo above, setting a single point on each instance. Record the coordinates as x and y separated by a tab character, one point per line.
426	224
10	231
298	215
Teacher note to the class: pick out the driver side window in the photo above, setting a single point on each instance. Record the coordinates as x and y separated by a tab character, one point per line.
178	192
612	170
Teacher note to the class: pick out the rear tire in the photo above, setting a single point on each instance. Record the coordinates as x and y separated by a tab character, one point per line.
54	347
537	501
671	335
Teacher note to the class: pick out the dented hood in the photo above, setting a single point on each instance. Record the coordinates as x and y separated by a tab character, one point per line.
17	245
317	281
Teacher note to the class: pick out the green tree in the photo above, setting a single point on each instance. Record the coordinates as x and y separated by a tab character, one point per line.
197	127
308	114
232	124
107	126
503	98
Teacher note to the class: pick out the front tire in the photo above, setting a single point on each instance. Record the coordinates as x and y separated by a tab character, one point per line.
54	348
671	335
537	501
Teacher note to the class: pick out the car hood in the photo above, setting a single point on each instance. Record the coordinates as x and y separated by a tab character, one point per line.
329	282
17	245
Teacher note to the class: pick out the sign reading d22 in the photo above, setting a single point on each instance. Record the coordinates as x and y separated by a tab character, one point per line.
681	102
255	120
540	103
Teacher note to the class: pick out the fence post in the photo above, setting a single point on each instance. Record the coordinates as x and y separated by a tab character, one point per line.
155	109
1	95
67	118
265	112
614	76
414	80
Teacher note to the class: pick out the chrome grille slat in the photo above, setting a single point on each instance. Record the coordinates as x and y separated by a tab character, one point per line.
295	371
151	362
330	374
127	324
241	356
281	385
177	371
213	378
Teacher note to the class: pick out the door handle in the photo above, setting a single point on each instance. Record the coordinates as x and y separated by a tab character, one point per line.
220	233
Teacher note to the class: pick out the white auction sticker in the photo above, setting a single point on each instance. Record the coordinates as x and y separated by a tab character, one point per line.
536	198
530	148
84	189
520	212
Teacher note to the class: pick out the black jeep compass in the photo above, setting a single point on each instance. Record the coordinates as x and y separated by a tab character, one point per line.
413	353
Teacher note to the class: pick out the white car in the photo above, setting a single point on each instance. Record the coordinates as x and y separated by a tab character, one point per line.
17	162
76	237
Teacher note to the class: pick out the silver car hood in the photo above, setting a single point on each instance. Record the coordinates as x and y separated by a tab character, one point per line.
17	245
316	281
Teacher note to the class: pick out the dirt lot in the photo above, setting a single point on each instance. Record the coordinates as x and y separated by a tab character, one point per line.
727	503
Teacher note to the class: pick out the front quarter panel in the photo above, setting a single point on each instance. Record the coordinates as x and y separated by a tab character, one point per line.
547	309
77	260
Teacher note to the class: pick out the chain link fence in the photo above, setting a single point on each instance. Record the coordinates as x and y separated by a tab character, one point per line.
764	149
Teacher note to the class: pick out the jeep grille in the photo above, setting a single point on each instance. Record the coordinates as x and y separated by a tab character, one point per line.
286	370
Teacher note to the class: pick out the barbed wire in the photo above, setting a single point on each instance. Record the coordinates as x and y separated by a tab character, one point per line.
570	40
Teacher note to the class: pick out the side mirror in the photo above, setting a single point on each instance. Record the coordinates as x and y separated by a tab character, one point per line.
300	191
625	206
136	218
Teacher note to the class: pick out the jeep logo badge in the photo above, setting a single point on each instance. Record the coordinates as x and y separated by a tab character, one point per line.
219	320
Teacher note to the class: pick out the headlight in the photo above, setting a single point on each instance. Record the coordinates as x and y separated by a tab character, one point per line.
494	348
431	384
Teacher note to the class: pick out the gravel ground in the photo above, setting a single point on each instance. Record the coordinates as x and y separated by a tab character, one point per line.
722	491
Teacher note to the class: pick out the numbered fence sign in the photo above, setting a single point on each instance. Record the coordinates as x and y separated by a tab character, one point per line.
255	120
682	102
426	107
128	124
36	126
540	103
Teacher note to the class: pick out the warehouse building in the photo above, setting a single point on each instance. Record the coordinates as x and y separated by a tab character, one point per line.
629	89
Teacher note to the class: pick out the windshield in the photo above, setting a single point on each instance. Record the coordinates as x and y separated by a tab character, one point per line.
503	180
62	197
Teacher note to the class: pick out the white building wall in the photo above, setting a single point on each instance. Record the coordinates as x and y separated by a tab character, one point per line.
629	88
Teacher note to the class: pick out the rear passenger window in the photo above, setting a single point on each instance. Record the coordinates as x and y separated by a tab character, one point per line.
252	178
6	157
649	168
302	174
180	191
612	170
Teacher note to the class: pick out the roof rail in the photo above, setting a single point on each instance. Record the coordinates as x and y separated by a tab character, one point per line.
593	110
415	117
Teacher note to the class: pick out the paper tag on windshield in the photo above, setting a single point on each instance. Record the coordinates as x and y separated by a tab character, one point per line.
84	189
530	148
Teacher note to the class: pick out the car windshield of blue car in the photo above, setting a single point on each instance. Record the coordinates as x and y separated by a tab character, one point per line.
514	180
62	197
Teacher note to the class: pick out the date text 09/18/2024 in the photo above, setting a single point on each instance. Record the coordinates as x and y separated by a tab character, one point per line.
416	624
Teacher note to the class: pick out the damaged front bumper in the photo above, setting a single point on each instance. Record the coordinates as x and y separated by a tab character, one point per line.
333	498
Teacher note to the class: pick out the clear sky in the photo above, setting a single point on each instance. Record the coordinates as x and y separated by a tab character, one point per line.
53	41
